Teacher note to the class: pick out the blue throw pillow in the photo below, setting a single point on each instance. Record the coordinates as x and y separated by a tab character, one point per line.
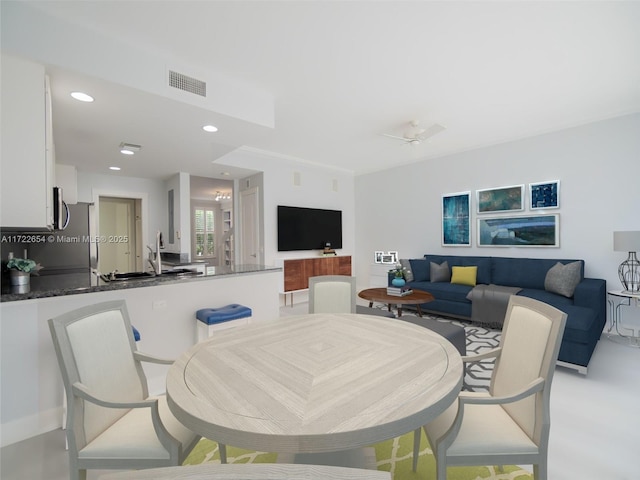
420	269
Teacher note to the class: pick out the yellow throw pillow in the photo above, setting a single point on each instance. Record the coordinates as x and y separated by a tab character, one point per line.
464	275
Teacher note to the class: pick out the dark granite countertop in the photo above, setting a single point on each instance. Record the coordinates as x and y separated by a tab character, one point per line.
61	284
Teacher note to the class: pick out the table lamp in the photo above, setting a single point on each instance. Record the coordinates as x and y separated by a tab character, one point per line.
629	270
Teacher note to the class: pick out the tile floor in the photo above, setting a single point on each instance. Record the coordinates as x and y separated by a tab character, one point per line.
595	424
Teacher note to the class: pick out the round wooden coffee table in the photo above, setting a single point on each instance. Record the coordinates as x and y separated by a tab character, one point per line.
416	298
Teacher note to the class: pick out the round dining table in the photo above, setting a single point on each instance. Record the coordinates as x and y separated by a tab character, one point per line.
318	387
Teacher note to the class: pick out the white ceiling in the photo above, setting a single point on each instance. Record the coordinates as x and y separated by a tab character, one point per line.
344	73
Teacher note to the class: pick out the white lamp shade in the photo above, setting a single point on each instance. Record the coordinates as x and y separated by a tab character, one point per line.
626	241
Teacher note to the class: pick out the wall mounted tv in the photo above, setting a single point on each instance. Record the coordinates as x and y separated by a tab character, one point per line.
308	228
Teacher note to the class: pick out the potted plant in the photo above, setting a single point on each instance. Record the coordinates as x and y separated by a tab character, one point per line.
398	275
20	269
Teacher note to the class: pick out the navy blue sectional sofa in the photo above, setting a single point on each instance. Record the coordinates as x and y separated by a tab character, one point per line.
586	309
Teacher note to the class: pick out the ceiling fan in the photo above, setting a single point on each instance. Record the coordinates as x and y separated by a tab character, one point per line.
415	134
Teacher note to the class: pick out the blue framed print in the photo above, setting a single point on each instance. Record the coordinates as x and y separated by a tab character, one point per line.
502	199
456	219
519	231
544	195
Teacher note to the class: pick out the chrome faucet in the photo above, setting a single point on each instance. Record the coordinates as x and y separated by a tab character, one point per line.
154	257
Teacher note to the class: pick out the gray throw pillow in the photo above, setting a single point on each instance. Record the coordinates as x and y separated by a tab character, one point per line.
440	273
563	279
406	266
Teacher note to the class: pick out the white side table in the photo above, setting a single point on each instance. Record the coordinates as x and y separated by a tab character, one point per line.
617	332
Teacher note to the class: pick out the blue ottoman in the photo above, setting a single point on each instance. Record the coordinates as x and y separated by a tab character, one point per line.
229	316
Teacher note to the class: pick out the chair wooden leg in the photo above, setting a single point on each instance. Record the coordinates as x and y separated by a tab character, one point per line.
416	448
540	471
223	452
441	467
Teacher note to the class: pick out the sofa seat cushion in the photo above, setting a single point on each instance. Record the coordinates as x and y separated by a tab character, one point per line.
444	290
551	298
580	320
580	327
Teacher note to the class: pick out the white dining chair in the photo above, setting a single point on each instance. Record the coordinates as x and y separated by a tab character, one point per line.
332	294
112	422
510	423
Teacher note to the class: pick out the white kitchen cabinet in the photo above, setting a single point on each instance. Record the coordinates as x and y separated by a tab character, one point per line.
27	164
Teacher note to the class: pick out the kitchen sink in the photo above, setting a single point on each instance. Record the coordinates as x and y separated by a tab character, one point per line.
122	277
179	271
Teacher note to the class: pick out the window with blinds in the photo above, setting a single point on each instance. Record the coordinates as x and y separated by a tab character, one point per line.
204	232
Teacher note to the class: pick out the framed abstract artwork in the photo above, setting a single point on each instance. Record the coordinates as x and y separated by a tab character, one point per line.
519	231
544	195
456	219
502	199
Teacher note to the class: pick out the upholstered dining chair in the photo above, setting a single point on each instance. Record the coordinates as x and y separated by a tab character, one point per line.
332	294
112	423
510	423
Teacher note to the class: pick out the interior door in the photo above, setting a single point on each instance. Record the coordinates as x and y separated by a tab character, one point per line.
250	223
117	234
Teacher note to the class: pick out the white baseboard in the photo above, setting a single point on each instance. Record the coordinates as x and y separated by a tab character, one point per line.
32	426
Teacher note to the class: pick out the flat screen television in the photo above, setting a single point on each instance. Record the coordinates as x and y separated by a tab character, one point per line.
302	228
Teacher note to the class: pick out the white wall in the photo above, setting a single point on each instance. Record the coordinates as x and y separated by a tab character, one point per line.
290	182
181	187
598	166
121	186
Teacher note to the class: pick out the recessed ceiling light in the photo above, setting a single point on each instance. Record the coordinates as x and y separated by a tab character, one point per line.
114	168
210	128
226	174
83	97
129	148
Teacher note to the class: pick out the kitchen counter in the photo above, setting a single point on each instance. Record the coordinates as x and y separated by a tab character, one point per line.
56	285
162	309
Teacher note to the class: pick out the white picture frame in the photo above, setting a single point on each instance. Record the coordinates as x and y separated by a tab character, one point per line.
544	195
500	199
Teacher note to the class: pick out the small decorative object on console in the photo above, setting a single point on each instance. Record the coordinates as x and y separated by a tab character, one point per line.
328	251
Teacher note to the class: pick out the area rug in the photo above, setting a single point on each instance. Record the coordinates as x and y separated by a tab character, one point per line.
393	456
396	455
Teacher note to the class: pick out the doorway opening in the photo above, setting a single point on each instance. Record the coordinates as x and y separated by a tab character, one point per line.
120	234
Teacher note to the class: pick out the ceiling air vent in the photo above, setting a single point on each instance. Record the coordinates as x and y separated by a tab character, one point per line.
187	84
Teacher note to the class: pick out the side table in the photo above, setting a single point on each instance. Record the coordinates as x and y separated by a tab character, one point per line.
624	335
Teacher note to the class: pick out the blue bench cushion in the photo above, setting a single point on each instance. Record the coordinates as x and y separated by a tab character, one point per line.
211	316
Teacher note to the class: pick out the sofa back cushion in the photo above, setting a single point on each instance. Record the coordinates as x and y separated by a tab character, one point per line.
525	272
483	264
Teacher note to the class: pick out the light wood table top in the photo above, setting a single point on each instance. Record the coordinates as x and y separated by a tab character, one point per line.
416	297
314	383
249	471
